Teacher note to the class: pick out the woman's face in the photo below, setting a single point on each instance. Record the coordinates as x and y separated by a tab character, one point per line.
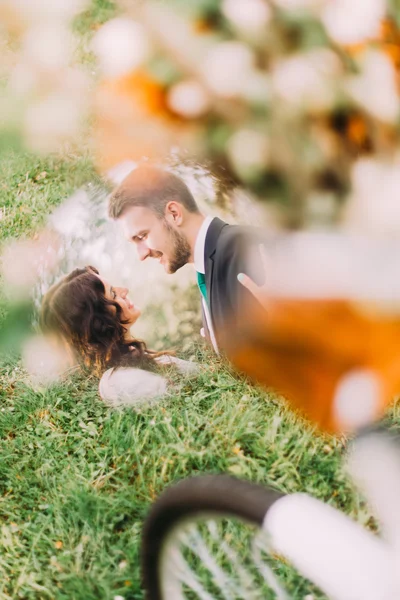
129	312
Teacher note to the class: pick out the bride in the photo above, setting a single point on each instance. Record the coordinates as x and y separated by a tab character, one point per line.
95	318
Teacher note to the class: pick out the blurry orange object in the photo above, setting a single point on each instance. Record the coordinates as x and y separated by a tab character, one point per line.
388	41
357	130
325	332
306	349
132	121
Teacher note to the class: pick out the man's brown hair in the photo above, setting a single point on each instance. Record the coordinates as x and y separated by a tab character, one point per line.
153	188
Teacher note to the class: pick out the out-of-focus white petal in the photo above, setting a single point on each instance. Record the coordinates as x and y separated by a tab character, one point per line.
52	121
353	21
23	79
298	4
374	205
248	150
376	88
23	261
357	399
189	99
250	16
227	67
121	45
258	88
51	10
45	359
47	46
307	80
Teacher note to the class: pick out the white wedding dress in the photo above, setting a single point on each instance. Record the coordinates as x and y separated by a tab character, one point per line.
130	386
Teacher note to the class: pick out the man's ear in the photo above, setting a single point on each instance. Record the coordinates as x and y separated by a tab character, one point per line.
174	213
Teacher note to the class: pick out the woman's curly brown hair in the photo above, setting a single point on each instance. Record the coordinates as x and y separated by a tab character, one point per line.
77	309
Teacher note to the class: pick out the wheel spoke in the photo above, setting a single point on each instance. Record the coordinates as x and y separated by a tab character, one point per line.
219	560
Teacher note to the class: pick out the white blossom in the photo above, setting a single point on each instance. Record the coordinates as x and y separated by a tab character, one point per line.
376	88
248	150
45	359
52	121
227	67
374	204
250	16
357	399
23	261
47	46
353	21
307	79
189	99
121	45
298	4
50	10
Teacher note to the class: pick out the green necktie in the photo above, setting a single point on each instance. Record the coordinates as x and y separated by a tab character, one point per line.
201	282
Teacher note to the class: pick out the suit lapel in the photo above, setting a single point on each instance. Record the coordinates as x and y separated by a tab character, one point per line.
210	247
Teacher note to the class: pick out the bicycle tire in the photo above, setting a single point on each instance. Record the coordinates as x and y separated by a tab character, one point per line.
208	494
344	560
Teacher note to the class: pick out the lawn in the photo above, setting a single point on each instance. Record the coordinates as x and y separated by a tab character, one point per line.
78	478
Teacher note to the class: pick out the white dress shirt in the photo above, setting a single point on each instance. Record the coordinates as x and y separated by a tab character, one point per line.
200	267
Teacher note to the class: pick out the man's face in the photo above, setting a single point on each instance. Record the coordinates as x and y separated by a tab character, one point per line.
154	237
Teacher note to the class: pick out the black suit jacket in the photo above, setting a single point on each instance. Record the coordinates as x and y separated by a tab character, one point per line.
225	256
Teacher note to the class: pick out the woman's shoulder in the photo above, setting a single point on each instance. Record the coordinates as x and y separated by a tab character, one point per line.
128	386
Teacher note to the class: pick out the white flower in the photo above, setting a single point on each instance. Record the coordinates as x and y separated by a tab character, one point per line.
258	88
248	150
249	16
41	10
22	78
45	359
22	261
227	67
307	79
357	399
298	4
376	88
353	21
52	121
374	205
121	45
47	46
189	99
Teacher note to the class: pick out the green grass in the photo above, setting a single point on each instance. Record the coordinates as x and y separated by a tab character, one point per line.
86	24
30	186
76	478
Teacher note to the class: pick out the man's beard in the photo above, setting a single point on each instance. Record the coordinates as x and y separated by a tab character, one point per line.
180	250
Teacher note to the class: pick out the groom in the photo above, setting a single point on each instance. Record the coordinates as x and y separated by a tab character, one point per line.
159	215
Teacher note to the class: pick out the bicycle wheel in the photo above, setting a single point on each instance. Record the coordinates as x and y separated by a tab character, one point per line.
195	537
213	538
